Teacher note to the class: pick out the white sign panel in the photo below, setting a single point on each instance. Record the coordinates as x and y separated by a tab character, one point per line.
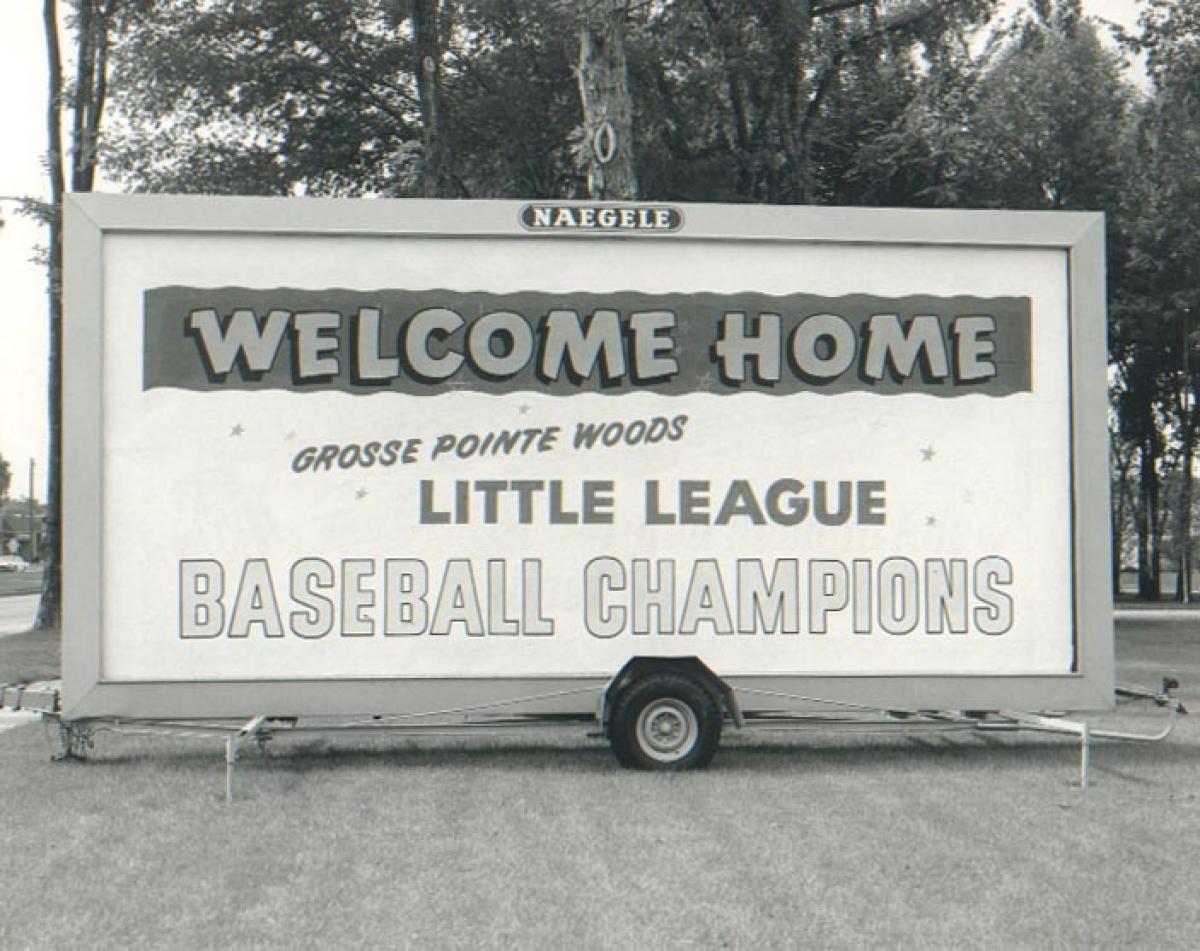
454	455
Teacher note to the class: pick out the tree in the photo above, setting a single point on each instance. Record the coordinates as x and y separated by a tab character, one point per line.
428	29
49	613
477	98
1050	118
1141	378
269	97
90	23
608	140
516	128
1159	301
5	478
784	61
702	100
889	131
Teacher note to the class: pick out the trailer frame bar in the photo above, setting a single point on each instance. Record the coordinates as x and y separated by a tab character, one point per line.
76	737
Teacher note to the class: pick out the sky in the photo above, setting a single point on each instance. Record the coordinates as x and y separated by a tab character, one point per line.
22	284
23	313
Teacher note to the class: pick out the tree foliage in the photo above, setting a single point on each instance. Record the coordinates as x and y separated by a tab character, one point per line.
1157	303
726	100
265	97
1050	119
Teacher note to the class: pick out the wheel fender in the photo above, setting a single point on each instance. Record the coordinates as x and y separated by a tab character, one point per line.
637	667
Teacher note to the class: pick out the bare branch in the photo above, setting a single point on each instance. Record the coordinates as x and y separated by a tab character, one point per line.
836	6
895	24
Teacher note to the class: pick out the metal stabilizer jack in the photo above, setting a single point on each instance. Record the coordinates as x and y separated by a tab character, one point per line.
1163	698
250	731
1051	724
75	740
1047	724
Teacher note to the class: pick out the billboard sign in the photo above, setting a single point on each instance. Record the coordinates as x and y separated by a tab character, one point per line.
327	454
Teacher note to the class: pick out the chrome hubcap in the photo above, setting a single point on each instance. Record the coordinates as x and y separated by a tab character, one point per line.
667	730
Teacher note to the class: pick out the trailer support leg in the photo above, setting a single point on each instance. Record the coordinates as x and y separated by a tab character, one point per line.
250	730
230	759
1044	724
75	740
1084	754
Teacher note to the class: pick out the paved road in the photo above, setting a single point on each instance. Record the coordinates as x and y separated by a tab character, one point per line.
16	613
20	582
1157	614
11	718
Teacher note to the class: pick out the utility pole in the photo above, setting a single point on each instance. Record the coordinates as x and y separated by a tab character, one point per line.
33	552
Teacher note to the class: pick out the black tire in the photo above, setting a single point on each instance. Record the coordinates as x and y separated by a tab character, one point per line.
665	721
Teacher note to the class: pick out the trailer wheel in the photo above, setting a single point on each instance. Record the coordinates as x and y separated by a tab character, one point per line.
665	721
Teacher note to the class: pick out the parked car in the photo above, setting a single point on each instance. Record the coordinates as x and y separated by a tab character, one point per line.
13	563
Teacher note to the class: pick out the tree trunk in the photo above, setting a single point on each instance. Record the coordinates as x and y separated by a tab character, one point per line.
608	147
790	23
1119	509
1149	556
91	91
723	28
428	70
49	613
87	108
1184	587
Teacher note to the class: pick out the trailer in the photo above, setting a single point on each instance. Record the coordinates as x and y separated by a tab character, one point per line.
655	469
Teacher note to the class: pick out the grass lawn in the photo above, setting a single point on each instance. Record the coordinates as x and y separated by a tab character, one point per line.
815	841
29	657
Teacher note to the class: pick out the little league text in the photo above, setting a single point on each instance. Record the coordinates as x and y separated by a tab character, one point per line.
684	502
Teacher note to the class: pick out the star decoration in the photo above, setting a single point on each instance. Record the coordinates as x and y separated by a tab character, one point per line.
523	408
237	430
706	382
928	453
930	521
360	494
290	436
